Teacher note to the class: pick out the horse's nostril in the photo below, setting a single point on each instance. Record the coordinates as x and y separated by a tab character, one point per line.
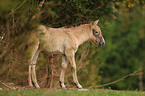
101	44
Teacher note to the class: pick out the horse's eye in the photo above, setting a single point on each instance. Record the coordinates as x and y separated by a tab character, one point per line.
97	32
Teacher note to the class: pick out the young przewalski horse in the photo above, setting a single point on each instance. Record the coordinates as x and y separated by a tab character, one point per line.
63	41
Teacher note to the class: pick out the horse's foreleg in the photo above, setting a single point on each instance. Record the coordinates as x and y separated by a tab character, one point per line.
63	69
71	58
75	76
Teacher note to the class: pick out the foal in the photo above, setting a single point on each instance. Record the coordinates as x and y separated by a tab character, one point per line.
63	41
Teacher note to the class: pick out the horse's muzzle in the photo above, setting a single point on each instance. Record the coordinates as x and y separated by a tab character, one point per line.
102	43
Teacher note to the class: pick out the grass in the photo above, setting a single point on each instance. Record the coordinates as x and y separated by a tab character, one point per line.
48	92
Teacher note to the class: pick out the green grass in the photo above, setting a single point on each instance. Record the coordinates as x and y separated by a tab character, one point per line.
47	92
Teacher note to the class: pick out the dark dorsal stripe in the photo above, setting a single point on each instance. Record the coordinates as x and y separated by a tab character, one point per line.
78	24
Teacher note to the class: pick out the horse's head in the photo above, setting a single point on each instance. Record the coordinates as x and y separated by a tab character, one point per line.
97	37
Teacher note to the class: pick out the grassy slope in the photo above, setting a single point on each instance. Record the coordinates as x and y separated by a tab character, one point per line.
36	92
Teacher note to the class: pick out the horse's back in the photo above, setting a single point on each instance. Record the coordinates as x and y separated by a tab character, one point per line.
52	39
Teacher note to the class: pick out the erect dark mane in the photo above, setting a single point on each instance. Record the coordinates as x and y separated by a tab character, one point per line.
78	24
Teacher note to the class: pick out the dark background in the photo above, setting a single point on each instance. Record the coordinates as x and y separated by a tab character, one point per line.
122	25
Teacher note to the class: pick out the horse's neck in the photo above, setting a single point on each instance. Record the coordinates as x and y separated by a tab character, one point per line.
82	33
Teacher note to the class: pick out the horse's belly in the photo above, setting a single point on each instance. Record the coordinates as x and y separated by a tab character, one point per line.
52	46
55	51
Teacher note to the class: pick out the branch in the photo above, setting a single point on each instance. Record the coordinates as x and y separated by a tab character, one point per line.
20	5
39	9
41	4
134	73
7	85
13	11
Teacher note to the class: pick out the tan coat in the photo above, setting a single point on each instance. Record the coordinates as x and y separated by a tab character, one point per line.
63	41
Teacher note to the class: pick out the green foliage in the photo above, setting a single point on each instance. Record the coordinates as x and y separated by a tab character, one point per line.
123	53
73	11
124	49
122	24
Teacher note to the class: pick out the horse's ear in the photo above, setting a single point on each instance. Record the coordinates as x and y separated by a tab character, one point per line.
96	22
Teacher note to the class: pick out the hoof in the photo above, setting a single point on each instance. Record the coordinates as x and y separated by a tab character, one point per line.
62	85
78	86
38	87
82	89
30	85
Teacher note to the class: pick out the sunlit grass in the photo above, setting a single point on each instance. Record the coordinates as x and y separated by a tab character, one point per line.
48	92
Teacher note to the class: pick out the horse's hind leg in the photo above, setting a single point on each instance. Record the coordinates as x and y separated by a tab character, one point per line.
63	69
33	54
33	69
29	77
